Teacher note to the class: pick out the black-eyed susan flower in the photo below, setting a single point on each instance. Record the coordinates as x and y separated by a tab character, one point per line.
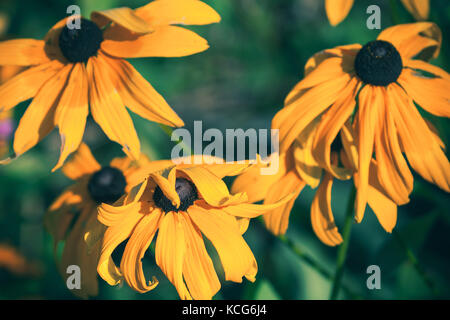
299	168
181	203
72	218
337	10
15	263
76	71
376	87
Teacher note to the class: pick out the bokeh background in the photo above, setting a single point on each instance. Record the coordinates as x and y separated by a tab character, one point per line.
257	55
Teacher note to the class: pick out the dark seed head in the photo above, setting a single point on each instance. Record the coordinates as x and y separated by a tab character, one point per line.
186	191
78	45
378	63
107	185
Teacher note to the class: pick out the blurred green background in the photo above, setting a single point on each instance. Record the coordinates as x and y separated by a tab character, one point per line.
257	55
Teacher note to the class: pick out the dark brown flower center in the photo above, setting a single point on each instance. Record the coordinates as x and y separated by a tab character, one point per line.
378	63
78	45
186	191
107	185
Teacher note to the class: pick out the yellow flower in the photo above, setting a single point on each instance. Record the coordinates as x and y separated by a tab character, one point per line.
298	168
72	218
375	86
182	203
15	263
337	10
74	68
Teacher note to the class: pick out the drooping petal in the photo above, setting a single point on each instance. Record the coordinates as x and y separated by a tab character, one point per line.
124	17
22	52
277	220
210	187
306	165
171	250
198	268
421	39
166	181
224	233
82	163
337	10
167	41
330	125
371	98
114	236
37	121
139	96
392	169
421	148
383	207
432	94
137	245
322	218
71	112
293	119
418	8
256	185
108	110
111	215
186	12
26	84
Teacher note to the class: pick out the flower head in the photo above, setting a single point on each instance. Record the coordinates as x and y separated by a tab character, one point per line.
74	71
181	203
72	218
374	88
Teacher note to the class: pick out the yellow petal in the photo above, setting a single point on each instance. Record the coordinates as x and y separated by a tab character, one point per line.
277	220
432	94
224	233
421	148
371	98
210	187
418	8
384	208
22	52
71	112
139	96
198	268
124	17
187	12
330	125
108	110
137	245
294	118
167	41
337	10
37	120
166	180
256	185
26	84
171	250
322	218
413	38
111	215
82	163
114	236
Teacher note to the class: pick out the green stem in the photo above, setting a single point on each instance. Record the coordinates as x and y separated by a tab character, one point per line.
342	251
416	264
314	264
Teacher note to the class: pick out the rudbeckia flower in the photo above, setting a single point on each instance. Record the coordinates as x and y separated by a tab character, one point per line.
376	87
299	168
337	10
181	203
72	218
74	71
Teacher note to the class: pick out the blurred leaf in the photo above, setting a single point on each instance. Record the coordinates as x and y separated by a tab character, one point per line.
265	291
